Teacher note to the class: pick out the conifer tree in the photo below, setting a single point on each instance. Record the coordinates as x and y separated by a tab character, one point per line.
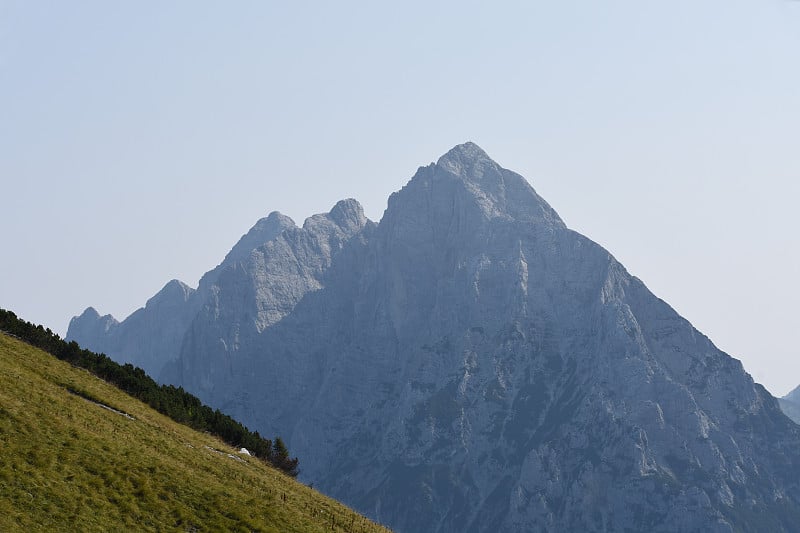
280	458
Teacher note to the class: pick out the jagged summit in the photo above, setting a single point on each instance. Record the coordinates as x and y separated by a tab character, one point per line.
274	222
89	312
263	231
463	157
348	213
468	183
174	289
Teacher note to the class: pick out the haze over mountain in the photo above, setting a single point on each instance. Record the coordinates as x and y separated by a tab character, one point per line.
470	364
790	404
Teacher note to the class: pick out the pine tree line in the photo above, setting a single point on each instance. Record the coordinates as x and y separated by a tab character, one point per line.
169	400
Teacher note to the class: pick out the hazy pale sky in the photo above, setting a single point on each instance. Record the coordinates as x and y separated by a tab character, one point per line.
140	140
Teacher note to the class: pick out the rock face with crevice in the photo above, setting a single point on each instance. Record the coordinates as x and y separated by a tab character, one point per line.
471	364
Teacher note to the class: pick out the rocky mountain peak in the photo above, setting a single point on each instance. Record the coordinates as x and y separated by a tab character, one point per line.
174	290
463	191
263	231
345	218
348	214
273	223
88	313
91	329
464	159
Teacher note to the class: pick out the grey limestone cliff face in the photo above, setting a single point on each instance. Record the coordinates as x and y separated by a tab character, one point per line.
264	231
258	282
250	296
92	329
472	364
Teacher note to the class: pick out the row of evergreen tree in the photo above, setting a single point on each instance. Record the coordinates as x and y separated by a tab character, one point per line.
169	400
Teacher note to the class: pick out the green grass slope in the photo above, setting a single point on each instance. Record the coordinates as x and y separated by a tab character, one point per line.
69	464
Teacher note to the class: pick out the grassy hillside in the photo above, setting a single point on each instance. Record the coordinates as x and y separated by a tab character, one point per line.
67	463
173	402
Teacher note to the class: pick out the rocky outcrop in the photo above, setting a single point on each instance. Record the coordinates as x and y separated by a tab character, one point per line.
91	329
264	231
471	364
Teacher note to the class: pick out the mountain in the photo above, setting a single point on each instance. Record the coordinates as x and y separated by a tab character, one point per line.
149	338
113	464
790	404
470	363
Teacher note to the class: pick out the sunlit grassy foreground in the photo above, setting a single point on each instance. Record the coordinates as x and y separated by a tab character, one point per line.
69	464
